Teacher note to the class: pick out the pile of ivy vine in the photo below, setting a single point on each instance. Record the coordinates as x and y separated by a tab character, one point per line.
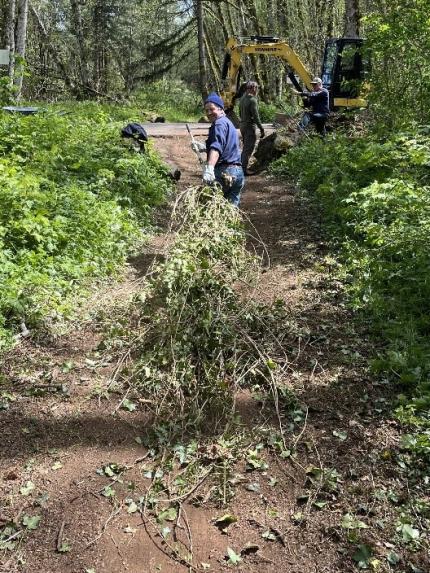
200	335
74	201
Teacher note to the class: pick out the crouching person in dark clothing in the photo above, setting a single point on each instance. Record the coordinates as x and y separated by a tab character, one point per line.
318	102
223	151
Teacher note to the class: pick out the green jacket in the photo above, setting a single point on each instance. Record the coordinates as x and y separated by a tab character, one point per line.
249	115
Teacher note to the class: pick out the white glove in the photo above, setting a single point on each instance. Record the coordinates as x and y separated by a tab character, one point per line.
198	146
208	174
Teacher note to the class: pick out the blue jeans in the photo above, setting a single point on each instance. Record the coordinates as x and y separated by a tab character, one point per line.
232	180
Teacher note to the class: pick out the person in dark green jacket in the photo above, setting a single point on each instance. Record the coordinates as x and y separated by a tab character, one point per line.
249	121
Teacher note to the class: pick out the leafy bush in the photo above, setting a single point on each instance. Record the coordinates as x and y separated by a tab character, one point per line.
73	201
171	99
267	111
375	195
399	43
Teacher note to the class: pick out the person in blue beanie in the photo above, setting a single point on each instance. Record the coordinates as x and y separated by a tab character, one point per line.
223	151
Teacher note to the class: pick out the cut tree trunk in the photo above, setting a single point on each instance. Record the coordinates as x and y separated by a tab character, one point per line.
202	53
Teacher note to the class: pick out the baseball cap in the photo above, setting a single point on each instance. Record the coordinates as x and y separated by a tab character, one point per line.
216	99
316	80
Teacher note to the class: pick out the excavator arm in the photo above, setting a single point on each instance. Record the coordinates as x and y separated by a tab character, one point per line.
236	48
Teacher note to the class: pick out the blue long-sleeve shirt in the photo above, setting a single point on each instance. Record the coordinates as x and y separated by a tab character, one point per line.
319	101
224	139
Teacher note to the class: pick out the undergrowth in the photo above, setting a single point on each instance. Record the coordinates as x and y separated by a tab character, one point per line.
74	202
170	99
374	194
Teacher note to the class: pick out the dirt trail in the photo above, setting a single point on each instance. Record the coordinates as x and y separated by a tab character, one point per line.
53	444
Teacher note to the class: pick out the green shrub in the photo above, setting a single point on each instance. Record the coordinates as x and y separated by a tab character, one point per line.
399	44
171	99
74	200
375	197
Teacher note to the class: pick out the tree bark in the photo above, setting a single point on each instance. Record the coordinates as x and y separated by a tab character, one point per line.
21	40
352	19
10	34
65	73
202	53
78	32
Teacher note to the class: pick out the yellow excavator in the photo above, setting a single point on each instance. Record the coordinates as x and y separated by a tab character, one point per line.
343	72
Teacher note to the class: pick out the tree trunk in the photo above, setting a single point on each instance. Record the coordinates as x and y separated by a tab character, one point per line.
202	53
213	64
65	73
78	31
21	39
352	19
10	33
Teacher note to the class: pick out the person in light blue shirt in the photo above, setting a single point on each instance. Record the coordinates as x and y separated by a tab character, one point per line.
223	151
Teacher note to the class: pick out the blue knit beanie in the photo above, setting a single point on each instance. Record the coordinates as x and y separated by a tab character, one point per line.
216	99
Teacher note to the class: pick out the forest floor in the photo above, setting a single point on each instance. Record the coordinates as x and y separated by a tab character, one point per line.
65	445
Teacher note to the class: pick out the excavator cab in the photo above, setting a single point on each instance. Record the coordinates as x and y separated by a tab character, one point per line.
344	71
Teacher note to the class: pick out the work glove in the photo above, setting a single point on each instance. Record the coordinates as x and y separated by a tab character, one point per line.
208	174
198	146
262	133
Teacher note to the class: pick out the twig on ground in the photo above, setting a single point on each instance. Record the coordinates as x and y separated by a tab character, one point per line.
119	551
13	536
296	441
60	536
185	496
118	406
190	537
284	471
118	368
172	552
104	526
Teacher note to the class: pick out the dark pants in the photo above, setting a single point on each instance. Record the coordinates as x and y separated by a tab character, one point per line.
249	139
231	179
318	119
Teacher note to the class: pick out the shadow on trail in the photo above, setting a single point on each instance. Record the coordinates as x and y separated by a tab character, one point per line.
142	263
46	433
279	220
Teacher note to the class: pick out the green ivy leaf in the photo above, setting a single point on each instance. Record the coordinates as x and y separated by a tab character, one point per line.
268	535
65	547
132	507
31	522
27	488
225	520
362	556
408	532
393	558
233	558
56	466
108	491
169	514
128	405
